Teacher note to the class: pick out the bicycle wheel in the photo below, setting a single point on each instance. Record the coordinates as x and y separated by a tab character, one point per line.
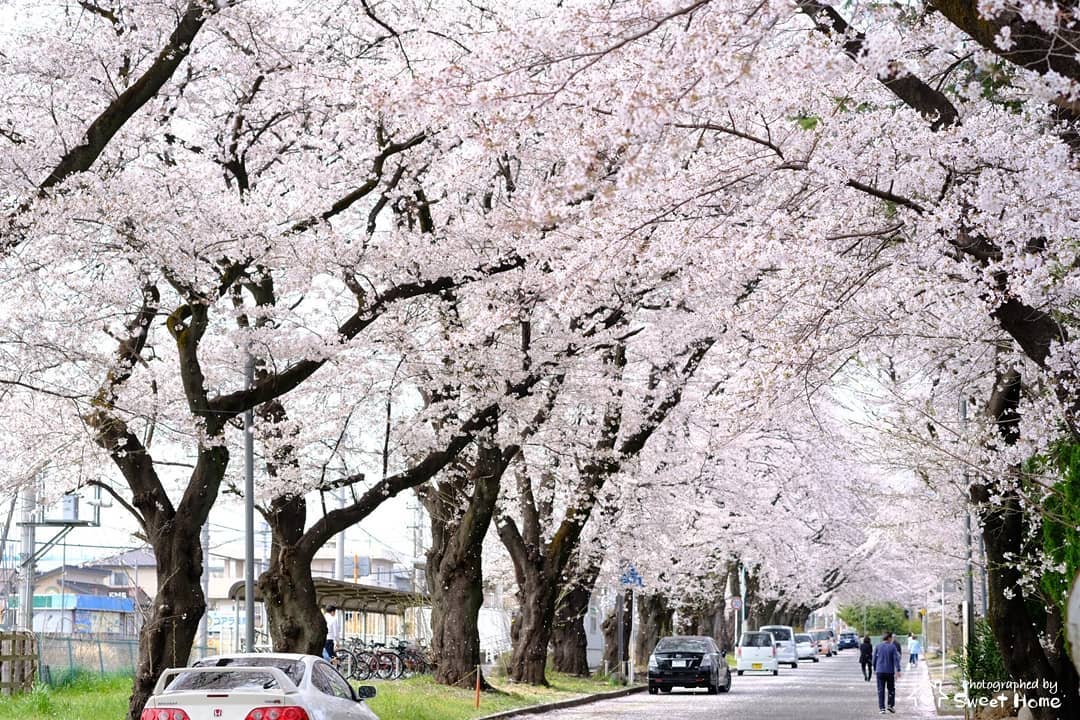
364	665
387	665
410	664
344	661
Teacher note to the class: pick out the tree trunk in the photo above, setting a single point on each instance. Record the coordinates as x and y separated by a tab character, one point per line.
167	635
537	607
455	634
1017	626
654	619
291	606
569	639
287	588
455	573
1018	632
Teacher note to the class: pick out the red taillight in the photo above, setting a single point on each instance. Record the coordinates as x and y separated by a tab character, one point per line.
278	713
774	651
163	714
738	652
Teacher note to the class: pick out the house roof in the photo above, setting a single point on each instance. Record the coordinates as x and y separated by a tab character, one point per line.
352	596
139	557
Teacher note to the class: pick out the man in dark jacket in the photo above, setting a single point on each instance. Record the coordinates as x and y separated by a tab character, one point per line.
887	667
866	658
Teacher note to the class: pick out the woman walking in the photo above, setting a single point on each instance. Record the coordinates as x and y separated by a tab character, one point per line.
866	656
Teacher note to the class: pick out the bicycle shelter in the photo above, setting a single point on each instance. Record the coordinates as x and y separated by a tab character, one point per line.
367	609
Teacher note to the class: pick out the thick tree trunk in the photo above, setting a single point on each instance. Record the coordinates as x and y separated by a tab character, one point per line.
654	619
455	636
166	638
287	588
292	610
1017	625
569	639
455	572
1018	631
533	628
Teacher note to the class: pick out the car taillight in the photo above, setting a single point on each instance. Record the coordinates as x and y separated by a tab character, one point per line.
163	714
278	713
738	652
774	651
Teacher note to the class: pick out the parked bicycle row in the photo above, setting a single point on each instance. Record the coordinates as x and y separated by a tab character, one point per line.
358	660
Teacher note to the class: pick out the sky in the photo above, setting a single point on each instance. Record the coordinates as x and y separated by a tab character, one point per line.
386	533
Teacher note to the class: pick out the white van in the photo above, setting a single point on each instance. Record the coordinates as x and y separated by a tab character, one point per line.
756	652
787	653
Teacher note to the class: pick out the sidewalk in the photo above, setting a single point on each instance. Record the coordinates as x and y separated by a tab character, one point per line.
930	696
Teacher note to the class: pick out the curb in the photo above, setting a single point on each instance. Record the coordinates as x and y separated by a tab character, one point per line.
561	704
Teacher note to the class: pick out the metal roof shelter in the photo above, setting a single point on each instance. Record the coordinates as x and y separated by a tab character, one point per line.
352	596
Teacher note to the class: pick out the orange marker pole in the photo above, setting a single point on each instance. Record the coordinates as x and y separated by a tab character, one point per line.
477	687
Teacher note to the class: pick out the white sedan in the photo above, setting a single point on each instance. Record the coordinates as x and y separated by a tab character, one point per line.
257	686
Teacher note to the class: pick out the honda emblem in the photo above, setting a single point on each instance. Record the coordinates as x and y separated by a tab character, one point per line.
217	712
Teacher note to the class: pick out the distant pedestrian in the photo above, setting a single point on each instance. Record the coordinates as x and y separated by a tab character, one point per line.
887	667
333	629
866	658
914	647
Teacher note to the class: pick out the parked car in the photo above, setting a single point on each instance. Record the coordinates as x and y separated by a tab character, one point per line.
756	652
806	647
824	642
690	661
848	640
257	685
785	637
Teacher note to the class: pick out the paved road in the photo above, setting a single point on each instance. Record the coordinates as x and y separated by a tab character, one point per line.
832	689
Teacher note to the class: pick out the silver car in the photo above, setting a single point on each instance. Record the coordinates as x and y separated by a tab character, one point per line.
260	686
806	647
784	635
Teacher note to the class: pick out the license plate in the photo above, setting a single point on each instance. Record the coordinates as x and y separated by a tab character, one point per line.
755	666
678	663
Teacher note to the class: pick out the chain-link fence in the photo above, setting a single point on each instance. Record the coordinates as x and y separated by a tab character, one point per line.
62	656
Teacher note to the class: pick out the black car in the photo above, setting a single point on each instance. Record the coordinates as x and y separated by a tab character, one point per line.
848	640
690	661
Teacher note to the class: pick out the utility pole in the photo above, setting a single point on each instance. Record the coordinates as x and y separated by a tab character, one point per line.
969	575
943	644
26	595
742	597
249	510
418	542
982	557
339	561
204	623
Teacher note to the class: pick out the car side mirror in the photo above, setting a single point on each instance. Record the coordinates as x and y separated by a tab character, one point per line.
365	692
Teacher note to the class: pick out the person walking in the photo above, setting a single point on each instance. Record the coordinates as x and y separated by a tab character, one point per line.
887	668
333	630
866	658
914	647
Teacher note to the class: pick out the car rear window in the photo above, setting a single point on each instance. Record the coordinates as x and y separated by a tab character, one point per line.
227	680
673	644
821	635
779	633
756	639
802	637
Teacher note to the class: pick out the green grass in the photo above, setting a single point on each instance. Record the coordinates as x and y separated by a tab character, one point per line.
90	697
419	698
81	697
